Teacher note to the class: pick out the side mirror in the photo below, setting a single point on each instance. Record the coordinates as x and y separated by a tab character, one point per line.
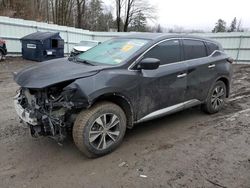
149	64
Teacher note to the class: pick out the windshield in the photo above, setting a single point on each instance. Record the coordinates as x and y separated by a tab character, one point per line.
113	52
87	43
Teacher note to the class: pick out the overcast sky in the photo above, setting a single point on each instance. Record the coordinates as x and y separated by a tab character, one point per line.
199	14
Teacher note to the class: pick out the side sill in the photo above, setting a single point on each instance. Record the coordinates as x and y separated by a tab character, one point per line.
169	110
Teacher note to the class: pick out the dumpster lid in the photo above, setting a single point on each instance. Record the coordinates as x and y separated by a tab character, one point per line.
40	36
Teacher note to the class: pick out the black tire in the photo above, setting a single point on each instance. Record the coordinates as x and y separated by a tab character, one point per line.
90	120
214	102
1	55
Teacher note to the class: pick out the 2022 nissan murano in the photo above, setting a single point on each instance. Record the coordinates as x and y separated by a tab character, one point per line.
97	95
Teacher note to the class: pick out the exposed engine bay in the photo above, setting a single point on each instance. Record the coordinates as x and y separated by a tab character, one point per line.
49	112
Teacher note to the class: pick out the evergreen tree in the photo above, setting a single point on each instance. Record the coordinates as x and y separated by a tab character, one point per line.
94	14
139	23
220	26
233	25
158	29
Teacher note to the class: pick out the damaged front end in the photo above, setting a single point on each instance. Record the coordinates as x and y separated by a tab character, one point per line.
50	111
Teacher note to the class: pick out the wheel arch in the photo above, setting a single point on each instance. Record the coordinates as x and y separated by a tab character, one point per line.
121	101
226	81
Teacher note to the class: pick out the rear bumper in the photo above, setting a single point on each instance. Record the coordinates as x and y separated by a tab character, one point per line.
23	114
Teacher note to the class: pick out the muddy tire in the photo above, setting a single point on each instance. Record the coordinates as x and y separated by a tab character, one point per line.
1	55
215	99
99	130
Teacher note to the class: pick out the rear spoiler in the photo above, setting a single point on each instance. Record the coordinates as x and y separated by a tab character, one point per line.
217	53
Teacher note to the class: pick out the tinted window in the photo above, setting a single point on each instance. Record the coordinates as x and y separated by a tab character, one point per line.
167	52
194	49
211	47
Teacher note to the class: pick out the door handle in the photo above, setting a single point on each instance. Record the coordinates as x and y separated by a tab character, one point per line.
182	75
211	66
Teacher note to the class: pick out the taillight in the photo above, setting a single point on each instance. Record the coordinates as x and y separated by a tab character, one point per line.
230	60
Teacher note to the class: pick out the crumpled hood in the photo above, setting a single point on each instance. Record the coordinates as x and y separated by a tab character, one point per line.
52	72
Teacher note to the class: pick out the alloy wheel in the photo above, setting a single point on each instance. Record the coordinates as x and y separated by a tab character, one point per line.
217	98
105	131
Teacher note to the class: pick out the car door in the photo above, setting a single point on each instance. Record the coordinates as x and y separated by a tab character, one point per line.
165	86
201	69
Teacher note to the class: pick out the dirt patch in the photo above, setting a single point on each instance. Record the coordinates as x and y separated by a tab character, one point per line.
186	149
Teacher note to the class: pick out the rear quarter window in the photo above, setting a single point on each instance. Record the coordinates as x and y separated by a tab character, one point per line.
194	49
211	47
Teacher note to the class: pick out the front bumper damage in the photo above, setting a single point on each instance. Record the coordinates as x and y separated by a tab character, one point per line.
23	114
46	113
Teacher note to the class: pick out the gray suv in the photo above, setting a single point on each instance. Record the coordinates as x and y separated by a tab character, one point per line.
97	95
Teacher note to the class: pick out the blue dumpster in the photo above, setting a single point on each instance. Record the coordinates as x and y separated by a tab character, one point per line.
42	46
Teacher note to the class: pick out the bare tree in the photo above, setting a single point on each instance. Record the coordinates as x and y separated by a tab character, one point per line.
80	7
88	14
119	6
23	9
239	27
128	13
62	11
128	10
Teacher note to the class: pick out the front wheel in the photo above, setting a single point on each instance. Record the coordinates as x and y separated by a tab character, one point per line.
1	55
99	130
216	98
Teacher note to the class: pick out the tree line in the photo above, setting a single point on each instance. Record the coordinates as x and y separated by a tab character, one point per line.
221	26
93	15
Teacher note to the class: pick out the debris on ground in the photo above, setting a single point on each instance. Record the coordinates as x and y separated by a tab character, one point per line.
122	164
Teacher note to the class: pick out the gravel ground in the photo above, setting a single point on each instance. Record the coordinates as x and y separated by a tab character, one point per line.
186	149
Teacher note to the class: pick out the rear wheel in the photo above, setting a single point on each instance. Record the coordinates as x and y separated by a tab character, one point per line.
216	98
100	129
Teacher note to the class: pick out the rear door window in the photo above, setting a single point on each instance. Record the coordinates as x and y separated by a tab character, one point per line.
167	52
211	47
194	49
